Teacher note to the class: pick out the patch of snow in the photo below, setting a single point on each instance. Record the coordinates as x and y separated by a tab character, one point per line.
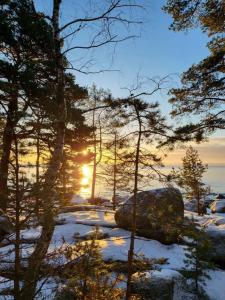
90	217
163	273
215	285
77	199
117	249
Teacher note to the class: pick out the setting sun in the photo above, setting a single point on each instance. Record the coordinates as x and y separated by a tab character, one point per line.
86	173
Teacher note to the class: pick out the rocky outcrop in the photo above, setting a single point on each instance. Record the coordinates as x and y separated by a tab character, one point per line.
160	214
218	206
216	235
161	285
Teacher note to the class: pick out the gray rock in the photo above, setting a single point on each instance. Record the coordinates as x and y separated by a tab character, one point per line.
217	240
218	206
160	214
160	285
6	226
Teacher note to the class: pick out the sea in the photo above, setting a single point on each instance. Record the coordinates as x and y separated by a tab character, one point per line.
214	177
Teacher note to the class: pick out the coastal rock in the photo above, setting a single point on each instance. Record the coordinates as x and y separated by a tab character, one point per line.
159	214
219	197
218	206
6	227
216	236
161	285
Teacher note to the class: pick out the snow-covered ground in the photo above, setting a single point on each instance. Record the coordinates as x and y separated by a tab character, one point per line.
73	227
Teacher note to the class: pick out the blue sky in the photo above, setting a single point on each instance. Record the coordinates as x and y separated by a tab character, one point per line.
157	52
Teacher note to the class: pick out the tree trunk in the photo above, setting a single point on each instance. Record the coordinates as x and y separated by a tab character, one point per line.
93	178
38	168
95	156
35	260
134	206
7	140
17	226
114	172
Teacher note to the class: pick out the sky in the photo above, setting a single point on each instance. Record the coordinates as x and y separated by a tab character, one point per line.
156	52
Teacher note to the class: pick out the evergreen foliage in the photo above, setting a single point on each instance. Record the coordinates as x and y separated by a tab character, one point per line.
190	176
203	84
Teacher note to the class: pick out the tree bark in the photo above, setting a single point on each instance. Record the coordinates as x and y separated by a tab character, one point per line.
134	206
38	168
17	226
7	140
35	260
114	171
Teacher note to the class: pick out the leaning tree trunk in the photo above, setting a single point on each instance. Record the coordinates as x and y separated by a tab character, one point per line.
35	260
7	140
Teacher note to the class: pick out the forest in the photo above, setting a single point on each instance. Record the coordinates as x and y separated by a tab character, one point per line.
90	209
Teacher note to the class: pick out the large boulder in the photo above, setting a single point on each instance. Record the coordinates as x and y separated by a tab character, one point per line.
218	206
6	227
161	285
160	214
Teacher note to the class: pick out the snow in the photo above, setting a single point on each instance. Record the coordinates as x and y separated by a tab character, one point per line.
117	249
76	199
91	217
80	225
164	274
215	285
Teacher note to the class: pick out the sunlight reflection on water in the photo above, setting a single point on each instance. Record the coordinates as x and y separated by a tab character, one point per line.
215	177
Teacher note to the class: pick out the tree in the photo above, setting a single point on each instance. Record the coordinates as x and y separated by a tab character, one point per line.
96	98
89	277
149	126
203	85
99	34
20	70
190	176
115	172
196	261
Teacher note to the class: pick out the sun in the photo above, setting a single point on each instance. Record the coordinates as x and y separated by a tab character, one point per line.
86	171
86	174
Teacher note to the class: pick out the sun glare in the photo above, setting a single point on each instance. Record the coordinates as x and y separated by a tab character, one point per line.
86	173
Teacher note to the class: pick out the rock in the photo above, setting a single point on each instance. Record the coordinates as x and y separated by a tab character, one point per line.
73	208
216	236
6	226
160	214
192	205
99	201
219	197
218	206
161	285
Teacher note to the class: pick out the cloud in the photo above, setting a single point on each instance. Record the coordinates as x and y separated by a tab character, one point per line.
211	152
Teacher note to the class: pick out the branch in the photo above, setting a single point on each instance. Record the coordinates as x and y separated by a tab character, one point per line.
92	45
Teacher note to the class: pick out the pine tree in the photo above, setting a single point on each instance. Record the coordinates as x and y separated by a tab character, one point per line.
196	262
203	84
149	128
190	176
